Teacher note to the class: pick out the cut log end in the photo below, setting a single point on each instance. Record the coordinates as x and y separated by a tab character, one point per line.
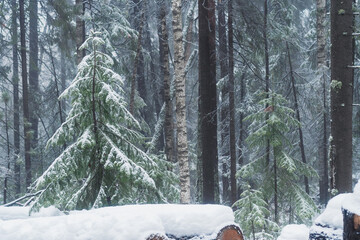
230	232
356	222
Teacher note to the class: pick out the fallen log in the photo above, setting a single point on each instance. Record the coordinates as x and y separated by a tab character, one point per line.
230	232
351	225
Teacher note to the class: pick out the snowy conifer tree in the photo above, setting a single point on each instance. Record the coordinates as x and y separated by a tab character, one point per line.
102	164
277	180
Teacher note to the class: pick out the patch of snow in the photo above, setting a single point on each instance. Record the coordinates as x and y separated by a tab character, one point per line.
351	202
294	232
332	215
133	222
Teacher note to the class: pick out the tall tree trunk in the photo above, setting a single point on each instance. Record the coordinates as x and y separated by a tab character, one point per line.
27	133
267	70
164	62
297	111
224	72
80	30
179	67
342	78
242	128
6	101
15	81
321	63
34	75
232	105
63	81
207	98
137	60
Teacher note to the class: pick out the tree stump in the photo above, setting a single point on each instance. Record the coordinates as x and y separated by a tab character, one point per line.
351	225
230	232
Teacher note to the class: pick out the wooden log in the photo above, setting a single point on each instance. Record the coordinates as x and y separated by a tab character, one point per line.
230	232
351	225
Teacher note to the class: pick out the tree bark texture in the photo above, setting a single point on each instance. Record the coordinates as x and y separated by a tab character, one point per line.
179	67
342	78
232	106
34	74
137	60
164	62
297	113
80	30
207	98
15	81
8	170
224	72
27	133
321	63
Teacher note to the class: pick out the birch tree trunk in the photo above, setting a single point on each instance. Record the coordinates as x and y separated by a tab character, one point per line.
321	63
342	78
179	65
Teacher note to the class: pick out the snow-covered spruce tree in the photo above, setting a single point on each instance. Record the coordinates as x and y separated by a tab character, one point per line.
102	164
278	179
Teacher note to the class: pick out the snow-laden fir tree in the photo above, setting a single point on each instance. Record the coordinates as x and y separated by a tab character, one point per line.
278	179
102	163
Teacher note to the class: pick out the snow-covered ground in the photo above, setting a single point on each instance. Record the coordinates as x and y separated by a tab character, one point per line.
134	222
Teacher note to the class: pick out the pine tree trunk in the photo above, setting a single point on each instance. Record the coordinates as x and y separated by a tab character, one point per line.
137	60
297	111
15	81
179	65
27	134
80	30
207	98
342	78
164	62
321	63
34	76
8	170
224	121
267	70
63	83
232	106
242	128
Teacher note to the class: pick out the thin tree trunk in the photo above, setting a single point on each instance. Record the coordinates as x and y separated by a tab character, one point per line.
180	81
6	101
232	106
136	61
164	62
267	70
297	111
34	76
80	30
342	92
207	98
15	81
27	134
276	204
321	63
241	123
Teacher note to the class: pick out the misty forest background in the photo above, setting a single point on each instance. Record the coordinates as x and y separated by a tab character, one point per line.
236	102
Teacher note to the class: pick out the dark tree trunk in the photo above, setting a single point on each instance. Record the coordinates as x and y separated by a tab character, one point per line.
15	81
232	106
6	101
242	128
224	72
137	61
34	76
207	98
164	63
321	63
297	111
267	70
80	30
342	76
27	134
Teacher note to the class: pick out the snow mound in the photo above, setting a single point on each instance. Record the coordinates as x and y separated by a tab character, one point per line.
133	222
294	232
351	202
332	215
